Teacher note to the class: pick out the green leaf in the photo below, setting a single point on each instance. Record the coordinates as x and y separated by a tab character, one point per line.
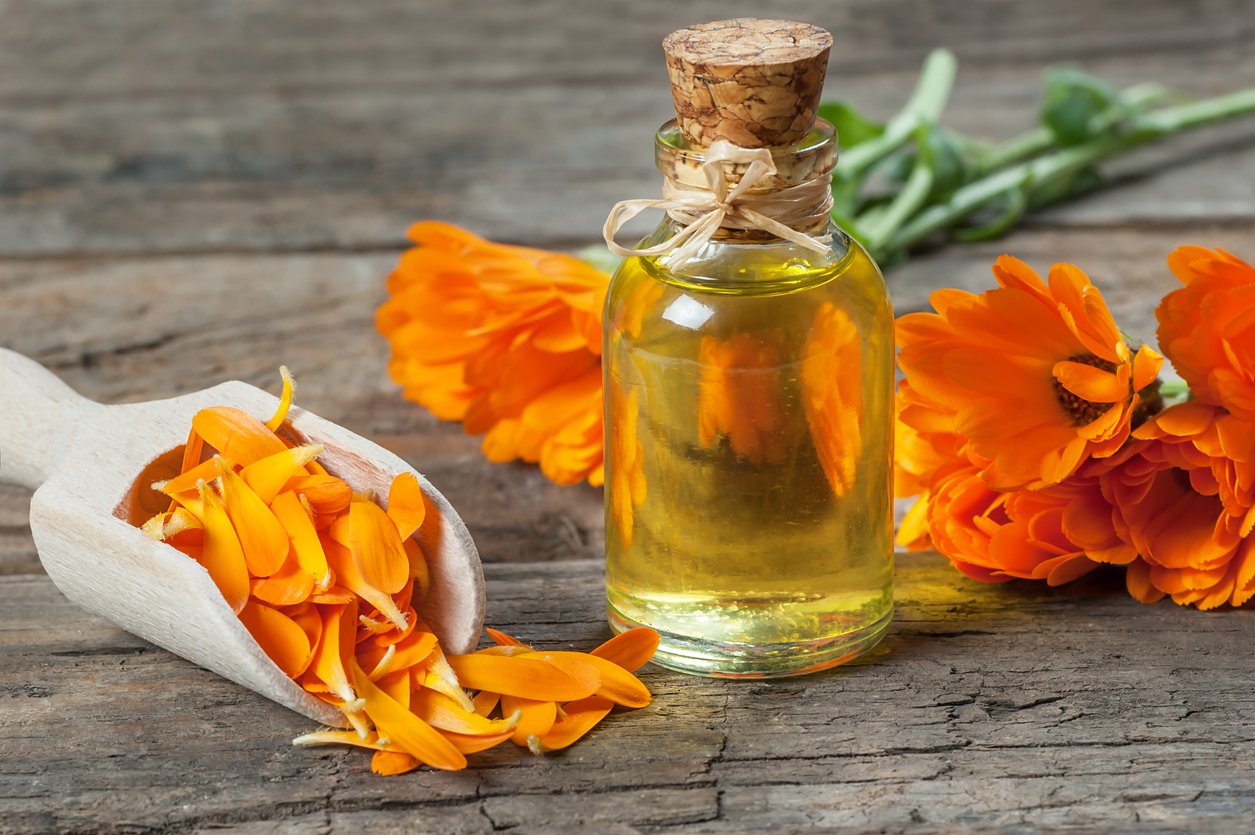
1075	103
950	166
853	128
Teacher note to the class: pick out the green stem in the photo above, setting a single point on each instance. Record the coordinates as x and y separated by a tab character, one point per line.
908	200
1149	127
932	91
1041	139
1025	146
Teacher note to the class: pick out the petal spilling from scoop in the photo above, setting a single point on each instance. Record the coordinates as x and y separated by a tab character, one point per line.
631	650
516	676
404	728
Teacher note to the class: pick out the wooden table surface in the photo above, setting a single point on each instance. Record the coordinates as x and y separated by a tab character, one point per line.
192	191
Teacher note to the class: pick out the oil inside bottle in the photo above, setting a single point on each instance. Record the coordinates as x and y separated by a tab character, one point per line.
749	420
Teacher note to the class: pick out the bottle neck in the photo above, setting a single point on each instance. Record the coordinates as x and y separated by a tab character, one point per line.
766	192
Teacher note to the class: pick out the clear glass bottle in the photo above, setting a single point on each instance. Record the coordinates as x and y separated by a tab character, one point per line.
749	444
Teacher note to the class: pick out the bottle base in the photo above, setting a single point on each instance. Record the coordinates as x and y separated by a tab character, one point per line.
717	659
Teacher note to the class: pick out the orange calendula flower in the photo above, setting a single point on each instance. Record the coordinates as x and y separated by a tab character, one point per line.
1036	374
332	588
1207	328
1056	534
506	339
1185	502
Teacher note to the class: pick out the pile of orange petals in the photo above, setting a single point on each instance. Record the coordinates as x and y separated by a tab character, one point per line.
505	339
332	587
463	704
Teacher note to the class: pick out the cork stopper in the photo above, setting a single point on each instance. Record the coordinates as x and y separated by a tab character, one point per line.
755	83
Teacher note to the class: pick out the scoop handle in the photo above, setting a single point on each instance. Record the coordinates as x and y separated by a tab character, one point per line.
36	410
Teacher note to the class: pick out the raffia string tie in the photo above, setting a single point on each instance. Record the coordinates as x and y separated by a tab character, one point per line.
702	212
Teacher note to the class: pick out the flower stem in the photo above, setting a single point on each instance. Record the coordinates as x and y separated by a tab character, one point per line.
925	106
1035	172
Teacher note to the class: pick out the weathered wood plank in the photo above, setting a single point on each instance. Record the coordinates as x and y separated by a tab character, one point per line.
238	126
143	328
986	706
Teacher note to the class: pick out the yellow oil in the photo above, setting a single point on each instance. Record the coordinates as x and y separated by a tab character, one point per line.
749	451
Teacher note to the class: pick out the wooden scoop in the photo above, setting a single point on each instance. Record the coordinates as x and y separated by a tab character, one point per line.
82	459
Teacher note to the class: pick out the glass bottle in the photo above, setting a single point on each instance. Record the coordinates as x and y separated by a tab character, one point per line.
749	432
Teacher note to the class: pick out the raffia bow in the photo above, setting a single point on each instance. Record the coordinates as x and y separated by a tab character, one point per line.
703	211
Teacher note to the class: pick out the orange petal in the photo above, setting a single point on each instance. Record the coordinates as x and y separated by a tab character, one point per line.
1137	580
281	637
393	762
475	744
406	505
327	494
238	437
1147	363
530	678
501	639
339	628
177	527
397	686
326	737
290	585
580	718
485	701
291	514
536	718
222	555
342	563
269	475
1089	383
185	482
308	618
413	649
193	451
403	728
376	547
439	711
631	650
418	569
264	540
285	400
616	684
441	678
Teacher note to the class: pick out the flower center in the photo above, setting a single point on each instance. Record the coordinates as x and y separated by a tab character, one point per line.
1083	411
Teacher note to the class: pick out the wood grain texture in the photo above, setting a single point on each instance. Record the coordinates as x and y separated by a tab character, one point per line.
316	125
192	192
986	706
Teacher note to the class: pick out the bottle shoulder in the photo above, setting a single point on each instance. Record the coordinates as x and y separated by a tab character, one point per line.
732	287
751	274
